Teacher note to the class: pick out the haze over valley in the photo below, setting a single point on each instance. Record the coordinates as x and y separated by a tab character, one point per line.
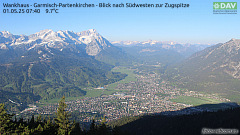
115	79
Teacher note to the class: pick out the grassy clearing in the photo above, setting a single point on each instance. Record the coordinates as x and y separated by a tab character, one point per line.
94	92
99	92
111	88
56	100
91	92
50	101
234	97
195	101
131	77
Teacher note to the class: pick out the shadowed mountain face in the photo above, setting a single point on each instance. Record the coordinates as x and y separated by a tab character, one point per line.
189	124
215	69
52	64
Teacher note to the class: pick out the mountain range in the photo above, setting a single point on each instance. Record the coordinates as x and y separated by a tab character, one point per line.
152	46
59	40
215	69
164	52
49	64
84	43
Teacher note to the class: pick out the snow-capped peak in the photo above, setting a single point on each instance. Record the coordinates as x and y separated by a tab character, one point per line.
60	39
5	34
92	30
43	33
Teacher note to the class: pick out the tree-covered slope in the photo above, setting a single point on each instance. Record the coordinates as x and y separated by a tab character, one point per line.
214	70
51	73
49	64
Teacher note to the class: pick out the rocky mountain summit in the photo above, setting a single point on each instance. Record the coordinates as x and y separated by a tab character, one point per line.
89	40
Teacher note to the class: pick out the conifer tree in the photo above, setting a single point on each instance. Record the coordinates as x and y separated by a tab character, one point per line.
39	129
49	127
26	131
93	128
32	122
20	128
4	120
62	120
39	118
103	129
76	129
47	124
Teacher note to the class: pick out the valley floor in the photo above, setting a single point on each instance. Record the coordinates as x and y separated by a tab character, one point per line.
142	92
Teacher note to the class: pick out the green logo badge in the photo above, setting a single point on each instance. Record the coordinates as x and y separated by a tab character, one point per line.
225	5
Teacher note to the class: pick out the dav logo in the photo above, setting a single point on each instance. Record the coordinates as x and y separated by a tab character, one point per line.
225	5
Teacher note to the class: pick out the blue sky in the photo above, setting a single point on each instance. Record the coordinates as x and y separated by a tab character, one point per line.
196	24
